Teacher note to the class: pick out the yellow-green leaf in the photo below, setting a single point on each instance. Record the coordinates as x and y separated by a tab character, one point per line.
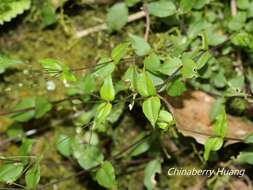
119	52
107	91
105	176
145	86
151	108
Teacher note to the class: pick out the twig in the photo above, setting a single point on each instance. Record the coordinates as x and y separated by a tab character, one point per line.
167	104
101	27
32	108
233	7
169	78
147	28
115	156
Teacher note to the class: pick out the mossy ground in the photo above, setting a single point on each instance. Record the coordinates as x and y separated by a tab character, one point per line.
28	42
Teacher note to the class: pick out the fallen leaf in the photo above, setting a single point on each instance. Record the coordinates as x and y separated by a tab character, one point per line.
191	114
240	184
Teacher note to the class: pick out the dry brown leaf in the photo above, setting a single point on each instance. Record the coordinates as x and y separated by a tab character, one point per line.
191	114
240	184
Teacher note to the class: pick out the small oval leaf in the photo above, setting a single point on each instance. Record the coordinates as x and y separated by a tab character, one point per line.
151	108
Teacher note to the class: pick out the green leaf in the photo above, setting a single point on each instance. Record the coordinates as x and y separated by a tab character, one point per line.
32	176
88	84
243	39
212	144
249	138
204	58
162	8
199	4
119	52
176	88
189	68
131	76
51	64
107	91
196	27
42	106
140	46
103	110
25	150
10	9
155	78
131	3
63	144
48	15
145	86
219	80
7	62
104	70
56	68
215	37
243	4
117	16
67	75
10	172
237	83
88	156
186	5
170	66
85	117
26	103
105	176
220	124
91	137
238	21
85	85
165	120
204	38
152	168
15	131
141	147
216	109
250	10
245	157
165	116
116	112
151	109
152	62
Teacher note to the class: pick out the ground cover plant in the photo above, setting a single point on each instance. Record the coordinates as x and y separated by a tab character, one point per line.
103	94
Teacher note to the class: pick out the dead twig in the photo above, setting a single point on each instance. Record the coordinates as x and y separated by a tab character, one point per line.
147	27
101	27
233	7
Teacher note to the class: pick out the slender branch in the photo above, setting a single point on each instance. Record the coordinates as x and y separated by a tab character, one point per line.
147	28
89	67
101	27
32	108
124	150
233	7
169	78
